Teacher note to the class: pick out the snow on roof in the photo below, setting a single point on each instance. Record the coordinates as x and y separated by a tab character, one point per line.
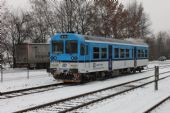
126	41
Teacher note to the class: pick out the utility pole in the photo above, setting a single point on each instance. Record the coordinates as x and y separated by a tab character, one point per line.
1	62
1	73
156	77
28	66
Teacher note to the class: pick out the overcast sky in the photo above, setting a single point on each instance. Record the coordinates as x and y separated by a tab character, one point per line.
158	11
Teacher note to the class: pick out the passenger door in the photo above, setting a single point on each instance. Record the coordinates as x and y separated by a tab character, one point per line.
110	58
135	57
84	55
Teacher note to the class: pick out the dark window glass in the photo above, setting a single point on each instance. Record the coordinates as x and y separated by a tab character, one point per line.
71	47
57	47
142	53
146	53
104	52
95	53
121	53
116	52
132	53
127	53
84	49
139	53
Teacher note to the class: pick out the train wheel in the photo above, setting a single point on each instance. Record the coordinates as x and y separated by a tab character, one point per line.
103	75
55	77
134	71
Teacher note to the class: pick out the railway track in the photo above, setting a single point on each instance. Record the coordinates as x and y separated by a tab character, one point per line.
157	105
82	100
21	92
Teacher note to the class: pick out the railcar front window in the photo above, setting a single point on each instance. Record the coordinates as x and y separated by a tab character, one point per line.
57	47
83	49
71	47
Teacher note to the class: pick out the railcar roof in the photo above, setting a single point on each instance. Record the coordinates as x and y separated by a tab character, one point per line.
107	40
111	40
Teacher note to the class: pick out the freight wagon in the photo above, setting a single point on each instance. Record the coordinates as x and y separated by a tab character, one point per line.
32	55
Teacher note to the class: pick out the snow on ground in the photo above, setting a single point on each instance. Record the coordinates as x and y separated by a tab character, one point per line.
18	80
136	101
14	79
163	108
158	63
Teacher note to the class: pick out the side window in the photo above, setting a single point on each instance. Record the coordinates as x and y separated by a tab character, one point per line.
143	53
127	53
146	53
104	53
86	49
116	52
121	53
95	53
138	53
82	49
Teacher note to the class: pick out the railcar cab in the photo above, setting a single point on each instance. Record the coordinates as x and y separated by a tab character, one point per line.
66	51
68	47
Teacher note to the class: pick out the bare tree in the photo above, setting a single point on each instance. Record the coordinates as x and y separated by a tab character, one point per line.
159	45
72	15
15	29
138	21
152	47
42	20
3	27
108	18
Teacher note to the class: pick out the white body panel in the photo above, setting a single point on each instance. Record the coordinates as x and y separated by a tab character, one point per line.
142	62
122	64
86	67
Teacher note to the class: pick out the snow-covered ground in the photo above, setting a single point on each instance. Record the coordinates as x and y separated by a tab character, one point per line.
133	102
14	79
136	101
163	108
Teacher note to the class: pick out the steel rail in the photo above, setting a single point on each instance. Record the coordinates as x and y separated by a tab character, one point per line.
89	93
157	105
109	96
20	92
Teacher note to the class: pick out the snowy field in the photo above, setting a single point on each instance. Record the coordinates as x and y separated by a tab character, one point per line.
136	101
14	79
163	108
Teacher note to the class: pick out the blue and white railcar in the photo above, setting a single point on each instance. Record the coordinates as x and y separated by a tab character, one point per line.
76	58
